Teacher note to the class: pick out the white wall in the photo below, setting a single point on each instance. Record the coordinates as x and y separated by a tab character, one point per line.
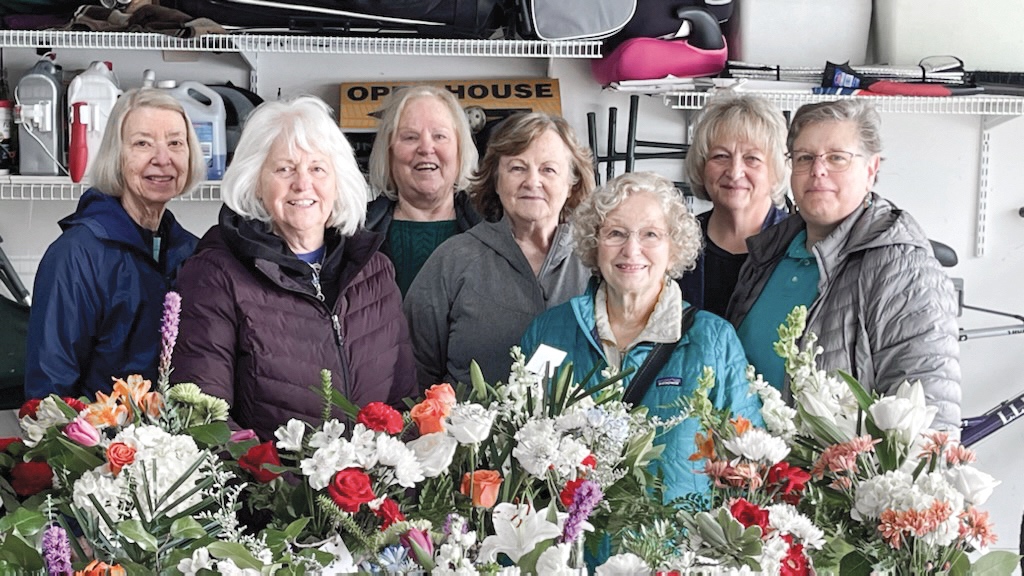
931	169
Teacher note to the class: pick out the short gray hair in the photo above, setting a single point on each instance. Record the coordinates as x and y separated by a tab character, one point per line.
107	171
307	124
380	157
684	231
862	114
739	117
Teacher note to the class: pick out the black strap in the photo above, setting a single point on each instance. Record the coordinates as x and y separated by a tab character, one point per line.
655	361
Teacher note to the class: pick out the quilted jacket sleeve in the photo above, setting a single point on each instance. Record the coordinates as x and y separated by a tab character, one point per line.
206	346
911	324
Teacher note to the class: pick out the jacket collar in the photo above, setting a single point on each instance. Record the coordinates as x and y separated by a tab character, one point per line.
498	237
107	219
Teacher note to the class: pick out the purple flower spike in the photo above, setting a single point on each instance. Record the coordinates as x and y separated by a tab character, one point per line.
169	331
57	551
586	498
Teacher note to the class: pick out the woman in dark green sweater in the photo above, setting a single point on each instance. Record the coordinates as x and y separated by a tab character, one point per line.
420	164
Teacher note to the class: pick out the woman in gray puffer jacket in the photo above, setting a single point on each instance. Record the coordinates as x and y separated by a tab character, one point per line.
878	300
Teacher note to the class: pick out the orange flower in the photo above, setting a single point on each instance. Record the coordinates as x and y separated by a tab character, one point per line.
106	411
97	568
444	393
119	455
741	425
133	391
705	447
481	487
429	416
151	404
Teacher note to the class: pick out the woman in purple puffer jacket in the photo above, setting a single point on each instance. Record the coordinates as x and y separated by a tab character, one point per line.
288	283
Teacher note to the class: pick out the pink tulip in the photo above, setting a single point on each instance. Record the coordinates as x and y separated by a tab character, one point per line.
419	545
243	435
81	431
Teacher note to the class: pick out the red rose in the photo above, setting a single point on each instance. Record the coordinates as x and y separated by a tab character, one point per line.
350	489
28	478
380	417
29	408
256	457
389	513
119	455
749	514
790	481
589	462
75	403
569	492
5	442
795	561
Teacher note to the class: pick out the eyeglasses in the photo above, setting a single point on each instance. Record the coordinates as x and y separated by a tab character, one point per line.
647	237
835	161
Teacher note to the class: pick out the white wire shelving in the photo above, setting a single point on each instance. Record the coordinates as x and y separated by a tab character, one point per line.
247	43
62	188
791	100
993	111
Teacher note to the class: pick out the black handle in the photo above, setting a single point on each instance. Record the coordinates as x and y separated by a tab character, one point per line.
705	33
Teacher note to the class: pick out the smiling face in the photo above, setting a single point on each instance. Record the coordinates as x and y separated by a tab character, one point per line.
298	190
154	156
534	185
635	268
826	198
738	177
425	151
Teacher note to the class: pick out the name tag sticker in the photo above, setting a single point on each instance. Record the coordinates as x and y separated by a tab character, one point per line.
669	382
546	356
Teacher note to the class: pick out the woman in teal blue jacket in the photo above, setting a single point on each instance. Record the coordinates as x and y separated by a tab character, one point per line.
637	236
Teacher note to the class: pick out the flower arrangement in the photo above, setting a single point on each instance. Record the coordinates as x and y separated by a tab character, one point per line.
135	472
466	481
893	496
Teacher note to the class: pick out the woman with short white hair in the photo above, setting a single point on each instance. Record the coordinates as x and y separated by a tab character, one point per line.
288	283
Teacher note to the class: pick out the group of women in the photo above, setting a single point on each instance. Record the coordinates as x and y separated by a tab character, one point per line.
460	258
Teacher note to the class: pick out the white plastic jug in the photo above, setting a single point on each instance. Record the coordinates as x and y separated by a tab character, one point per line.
39	113
97	90
205	109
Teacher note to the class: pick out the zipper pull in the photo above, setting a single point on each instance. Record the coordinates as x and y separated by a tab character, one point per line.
316	281
337	329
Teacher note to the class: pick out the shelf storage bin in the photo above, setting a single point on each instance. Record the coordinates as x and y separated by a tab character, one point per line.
800	32
986	35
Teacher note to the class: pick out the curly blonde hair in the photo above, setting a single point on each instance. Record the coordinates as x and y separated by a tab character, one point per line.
684	231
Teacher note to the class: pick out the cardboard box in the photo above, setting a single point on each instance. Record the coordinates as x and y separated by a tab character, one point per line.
986	35
800	32
487	103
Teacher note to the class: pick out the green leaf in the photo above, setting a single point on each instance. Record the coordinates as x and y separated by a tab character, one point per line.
855	564
213	434
24	521
20	553
476	377
236	552
133	530
346	405
995	563
293	530
187	528
863	397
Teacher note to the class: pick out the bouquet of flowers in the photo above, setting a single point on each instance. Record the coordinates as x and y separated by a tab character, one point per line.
464	482
135	472
894	496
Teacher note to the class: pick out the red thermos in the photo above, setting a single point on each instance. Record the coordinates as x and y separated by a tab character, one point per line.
78	148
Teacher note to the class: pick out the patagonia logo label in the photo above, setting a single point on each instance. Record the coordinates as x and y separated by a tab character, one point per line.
669	382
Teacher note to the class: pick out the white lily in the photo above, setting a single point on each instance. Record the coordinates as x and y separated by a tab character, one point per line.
518	528
904	415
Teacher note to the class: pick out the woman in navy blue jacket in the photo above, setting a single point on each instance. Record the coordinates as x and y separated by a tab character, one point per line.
99	291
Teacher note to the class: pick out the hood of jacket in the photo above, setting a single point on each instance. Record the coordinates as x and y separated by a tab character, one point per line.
104	216
255	245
